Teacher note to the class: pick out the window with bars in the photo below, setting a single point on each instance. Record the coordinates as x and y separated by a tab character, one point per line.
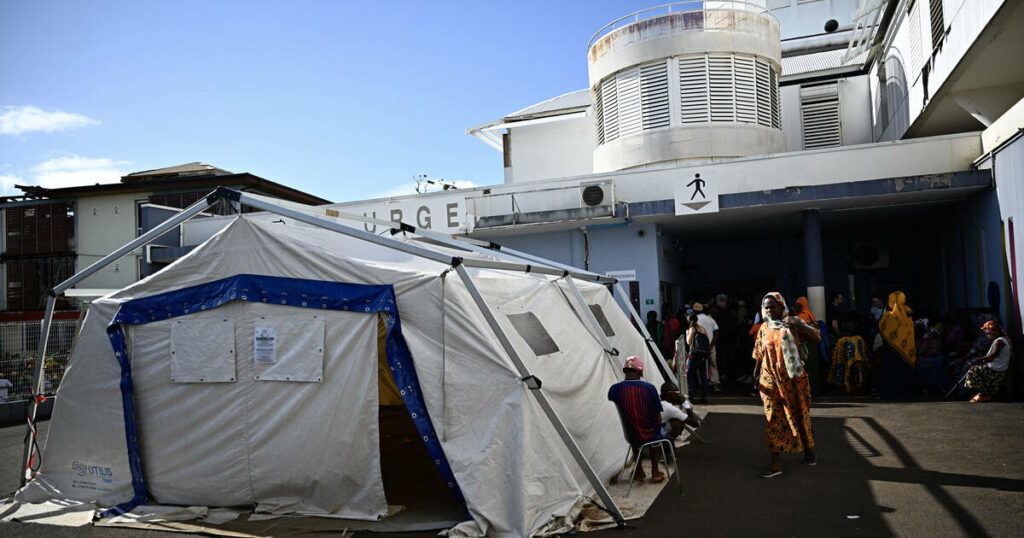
819	106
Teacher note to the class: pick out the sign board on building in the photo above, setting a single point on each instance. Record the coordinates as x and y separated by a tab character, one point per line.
443	214
695	194
628	274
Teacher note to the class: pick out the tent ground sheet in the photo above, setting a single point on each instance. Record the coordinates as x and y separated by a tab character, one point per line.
407	479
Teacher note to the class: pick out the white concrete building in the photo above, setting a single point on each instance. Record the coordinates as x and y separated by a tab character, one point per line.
840	143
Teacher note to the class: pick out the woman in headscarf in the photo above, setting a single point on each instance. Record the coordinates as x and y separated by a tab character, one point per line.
987	374
783	383
850	364
811	352
897	377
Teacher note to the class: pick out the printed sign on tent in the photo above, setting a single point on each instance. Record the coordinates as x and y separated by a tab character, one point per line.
695	194
264	346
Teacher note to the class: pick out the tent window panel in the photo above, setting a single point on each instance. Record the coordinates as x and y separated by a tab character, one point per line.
535	335
288	349
602	320
203	351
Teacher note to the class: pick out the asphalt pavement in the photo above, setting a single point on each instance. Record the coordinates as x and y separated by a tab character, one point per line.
928	468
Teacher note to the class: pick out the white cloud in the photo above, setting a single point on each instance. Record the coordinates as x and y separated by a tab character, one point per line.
7	183
15	120
74	171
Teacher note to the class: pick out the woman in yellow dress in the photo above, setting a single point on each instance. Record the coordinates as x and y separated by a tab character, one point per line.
898	371
850	364
783	383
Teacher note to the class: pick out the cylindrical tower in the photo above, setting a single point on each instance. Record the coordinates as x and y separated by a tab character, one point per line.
686	81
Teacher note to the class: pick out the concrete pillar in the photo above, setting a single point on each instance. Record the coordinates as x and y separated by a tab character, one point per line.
814	262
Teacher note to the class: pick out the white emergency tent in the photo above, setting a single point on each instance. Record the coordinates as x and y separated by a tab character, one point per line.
247	373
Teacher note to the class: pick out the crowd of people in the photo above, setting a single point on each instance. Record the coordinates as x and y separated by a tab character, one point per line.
887	350
792	355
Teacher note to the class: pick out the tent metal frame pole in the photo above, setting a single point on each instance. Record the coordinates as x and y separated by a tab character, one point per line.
142	240
577	273
542	399
37	386
46	323
643	328
595	326
322	222
547	267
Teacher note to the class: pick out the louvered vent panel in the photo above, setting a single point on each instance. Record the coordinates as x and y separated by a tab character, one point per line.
654	95
628	93
609	109
746	89
776	108
693	89
820	108
599	114
938	25
723	98
916	58
764	94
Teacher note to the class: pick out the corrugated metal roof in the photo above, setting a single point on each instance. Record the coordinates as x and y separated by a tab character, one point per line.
819	61
563	103
193	168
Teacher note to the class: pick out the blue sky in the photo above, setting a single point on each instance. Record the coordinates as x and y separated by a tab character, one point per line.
344	100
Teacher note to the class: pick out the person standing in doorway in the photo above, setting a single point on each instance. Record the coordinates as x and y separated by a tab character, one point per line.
711	328
725	348
877	308
834	312
672	329
897	377
698	343
656	330
783	384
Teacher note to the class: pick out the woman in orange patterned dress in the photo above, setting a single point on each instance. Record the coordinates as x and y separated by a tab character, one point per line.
783	383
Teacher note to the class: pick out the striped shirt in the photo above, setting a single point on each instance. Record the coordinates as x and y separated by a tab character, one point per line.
640	404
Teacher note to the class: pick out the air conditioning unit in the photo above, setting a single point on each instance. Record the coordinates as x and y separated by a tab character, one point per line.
597	194
870	255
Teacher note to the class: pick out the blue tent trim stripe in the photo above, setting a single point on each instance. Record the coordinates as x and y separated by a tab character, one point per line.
302	293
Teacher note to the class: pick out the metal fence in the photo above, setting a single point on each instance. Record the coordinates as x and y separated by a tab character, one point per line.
19	344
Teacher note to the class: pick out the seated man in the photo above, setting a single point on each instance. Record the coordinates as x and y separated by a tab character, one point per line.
673	418
638	402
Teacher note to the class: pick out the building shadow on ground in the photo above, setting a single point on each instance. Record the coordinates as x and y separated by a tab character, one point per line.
724	496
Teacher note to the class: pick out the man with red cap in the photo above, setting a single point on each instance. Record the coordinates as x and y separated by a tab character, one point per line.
640	405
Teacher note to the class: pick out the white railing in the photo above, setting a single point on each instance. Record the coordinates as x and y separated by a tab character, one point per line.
19	342
680	7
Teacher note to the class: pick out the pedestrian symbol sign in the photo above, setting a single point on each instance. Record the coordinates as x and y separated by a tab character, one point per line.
694	194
